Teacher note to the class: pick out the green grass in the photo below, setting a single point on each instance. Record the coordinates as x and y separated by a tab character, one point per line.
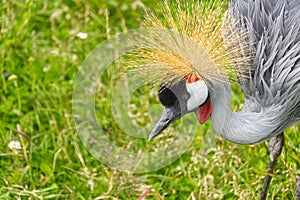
41	54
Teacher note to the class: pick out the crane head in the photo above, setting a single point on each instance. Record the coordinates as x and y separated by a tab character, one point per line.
195	44
187	95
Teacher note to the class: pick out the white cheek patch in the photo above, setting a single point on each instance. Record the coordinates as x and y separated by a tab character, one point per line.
198	94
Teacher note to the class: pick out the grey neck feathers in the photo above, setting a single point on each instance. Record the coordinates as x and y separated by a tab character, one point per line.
249	126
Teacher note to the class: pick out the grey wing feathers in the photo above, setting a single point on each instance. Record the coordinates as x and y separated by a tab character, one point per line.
274	31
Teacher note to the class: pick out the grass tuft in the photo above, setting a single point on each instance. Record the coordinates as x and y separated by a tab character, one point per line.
40	56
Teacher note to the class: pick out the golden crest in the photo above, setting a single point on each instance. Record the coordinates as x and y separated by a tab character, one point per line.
192	37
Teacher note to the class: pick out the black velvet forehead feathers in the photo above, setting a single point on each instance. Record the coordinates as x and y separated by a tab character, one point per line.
169	94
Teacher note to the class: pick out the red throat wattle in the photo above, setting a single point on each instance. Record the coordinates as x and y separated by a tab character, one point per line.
204	112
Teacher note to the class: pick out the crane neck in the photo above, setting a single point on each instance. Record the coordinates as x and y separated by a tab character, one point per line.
245	127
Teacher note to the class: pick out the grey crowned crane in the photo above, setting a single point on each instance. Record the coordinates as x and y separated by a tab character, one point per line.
258	41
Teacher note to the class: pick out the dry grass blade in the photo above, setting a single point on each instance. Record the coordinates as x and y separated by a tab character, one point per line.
143	196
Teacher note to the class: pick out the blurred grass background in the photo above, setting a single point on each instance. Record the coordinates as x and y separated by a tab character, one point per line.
40	56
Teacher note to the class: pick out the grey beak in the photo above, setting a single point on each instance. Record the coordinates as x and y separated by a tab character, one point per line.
169	115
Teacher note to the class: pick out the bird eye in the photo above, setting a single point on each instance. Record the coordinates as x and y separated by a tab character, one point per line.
185	96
